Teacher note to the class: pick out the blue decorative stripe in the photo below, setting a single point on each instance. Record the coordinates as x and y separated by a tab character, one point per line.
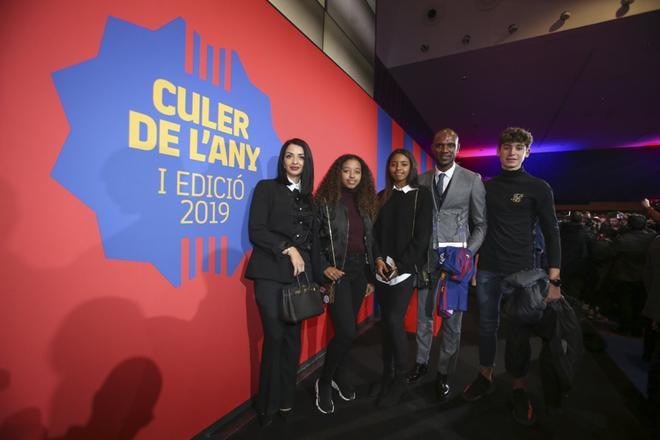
196	52
218	254
205	254
209	62
384	146
191	258
407	142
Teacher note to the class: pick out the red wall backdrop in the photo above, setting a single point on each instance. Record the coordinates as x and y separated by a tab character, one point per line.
95	344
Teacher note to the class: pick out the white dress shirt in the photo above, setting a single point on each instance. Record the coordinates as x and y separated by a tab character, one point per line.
293	185
448	175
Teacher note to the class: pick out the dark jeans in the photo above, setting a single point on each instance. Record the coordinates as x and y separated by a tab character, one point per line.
281	351
394	302
349	293
489	295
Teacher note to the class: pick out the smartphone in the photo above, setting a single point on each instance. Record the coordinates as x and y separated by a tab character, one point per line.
389	272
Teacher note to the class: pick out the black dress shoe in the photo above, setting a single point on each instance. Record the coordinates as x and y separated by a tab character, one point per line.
374	389
396	393
285	415
419	371
441	387
377	389
264	419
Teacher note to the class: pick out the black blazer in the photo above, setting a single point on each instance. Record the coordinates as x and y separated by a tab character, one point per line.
279	218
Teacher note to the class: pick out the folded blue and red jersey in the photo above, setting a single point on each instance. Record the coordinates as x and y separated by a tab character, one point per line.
452	288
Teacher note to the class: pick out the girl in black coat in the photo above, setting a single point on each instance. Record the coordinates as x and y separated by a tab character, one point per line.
346	203
280	227
401	238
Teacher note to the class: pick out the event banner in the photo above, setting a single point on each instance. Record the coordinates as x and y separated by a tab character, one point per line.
168	137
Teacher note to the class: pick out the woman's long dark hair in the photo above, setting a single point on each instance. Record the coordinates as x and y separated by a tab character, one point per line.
411	180
329	191
307	176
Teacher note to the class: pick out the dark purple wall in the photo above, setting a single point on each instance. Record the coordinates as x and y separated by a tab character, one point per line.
616	175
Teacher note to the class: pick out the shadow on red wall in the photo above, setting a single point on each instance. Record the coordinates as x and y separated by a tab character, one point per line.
121	407
116	368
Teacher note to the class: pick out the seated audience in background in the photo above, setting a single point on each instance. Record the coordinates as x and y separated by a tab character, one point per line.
601	252
650	210
652	333
616	220
630	249
574	254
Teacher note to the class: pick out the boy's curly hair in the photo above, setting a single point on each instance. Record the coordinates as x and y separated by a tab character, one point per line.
516	134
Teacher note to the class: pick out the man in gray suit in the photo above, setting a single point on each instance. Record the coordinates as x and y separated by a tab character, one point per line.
459	220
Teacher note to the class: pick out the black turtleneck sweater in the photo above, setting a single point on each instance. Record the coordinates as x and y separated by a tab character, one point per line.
515	201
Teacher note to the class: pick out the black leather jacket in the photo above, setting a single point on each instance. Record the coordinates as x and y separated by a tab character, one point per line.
526	291
339	223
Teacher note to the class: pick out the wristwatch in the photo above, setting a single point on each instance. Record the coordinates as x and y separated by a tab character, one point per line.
556	282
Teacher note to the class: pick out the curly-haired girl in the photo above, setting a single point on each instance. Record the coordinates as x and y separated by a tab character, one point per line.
346	203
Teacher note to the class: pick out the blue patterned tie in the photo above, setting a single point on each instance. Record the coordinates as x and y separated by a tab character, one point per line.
440	184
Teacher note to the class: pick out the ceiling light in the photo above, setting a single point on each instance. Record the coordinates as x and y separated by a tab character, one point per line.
432	15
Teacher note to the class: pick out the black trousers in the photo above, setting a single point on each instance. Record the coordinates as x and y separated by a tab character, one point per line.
349	293
281	351
394	302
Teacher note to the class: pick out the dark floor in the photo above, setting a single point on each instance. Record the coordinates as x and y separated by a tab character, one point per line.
602	405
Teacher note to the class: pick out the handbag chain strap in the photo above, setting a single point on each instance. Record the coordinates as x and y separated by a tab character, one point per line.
412	234
332	244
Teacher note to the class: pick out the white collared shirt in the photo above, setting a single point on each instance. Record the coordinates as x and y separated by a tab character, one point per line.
405	189
448	175
293	185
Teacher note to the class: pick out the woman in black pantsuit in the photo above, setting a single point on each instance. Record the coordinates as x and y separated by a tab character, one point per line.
401	238
280	226
346	203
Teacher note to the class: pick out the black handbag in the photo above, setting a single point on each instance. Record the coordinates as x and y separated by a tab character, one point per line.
422	279
301	301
